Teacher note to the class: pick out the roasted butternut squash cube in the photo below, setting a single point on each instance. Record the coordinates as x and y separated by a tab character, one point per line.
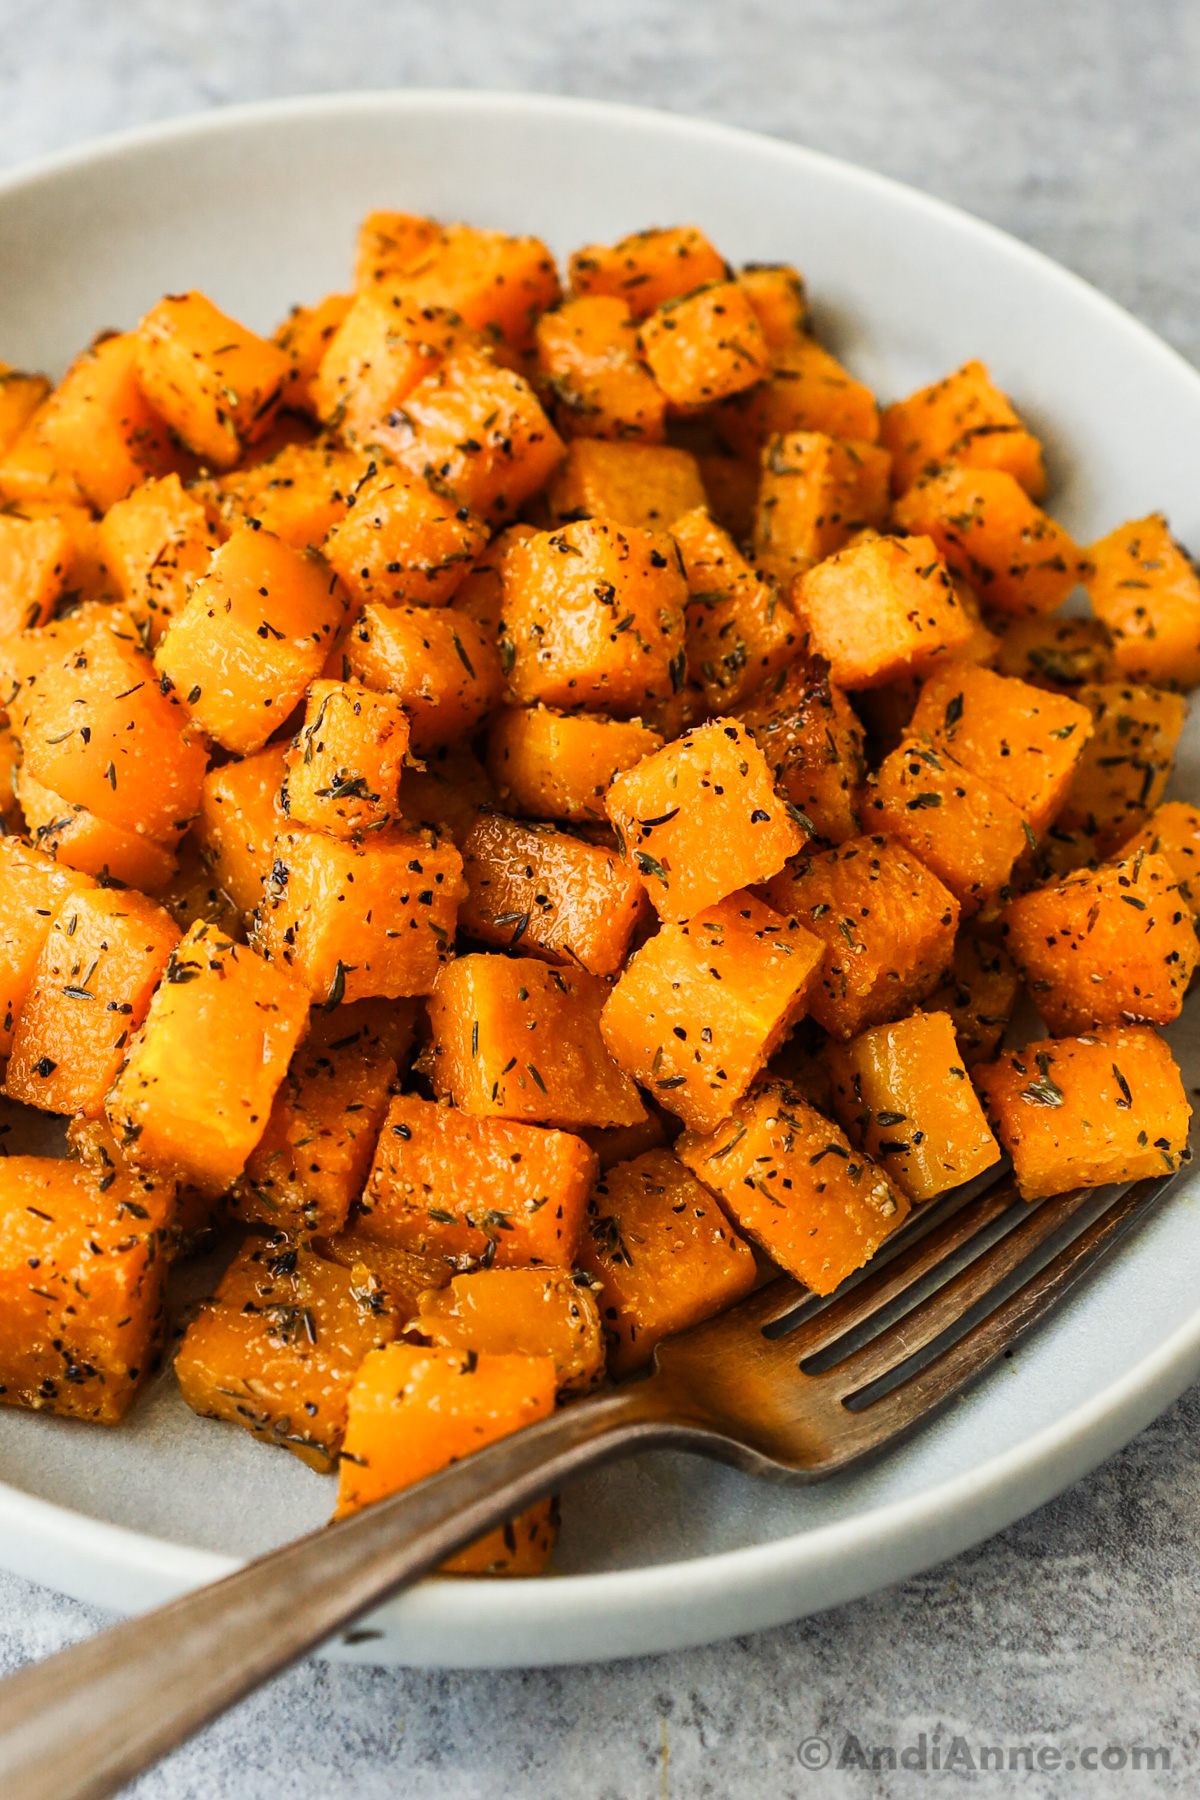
513	1039
195	1090
979	994
277	1348
791	1181
102	430
587	360
354	920
475	1192
1109	946
25	656
882	609
961	827
643	486
739	631
1025	741
35	566
964	418
477	430
621	1143
447	792
731	493
403	542
814	492
312	1160
557	897
553	765
1146	589
1053	652
403	1276
10	759
215	383
193	893
496	283
991	533
20	397
593	617
392	244
82	1272
78	838
806	389
32	888
101	961
89	579
521	1312
1086	1111
703	346
158	543
778	295
709	788
1173	831
103	734
304	337
813	743
238	823
481	595
702	1006
385	344
648	267
902	1094
436	664
663	1253
345	762
1125	764
30	471
299	493
887	924
255	632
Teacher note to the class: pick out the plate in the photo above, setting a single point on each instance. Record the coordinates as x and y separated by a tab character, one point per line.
258	206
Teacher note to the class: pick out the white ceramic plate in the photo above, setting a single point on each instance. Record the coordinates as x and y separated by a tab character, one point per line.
258	207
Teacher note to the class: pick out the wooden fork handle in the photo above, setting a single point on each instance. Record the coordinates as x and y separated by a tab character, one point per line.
85	1721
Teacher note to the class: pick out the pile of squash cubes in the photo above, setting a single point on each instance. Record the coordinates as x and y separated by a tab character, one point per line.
524	811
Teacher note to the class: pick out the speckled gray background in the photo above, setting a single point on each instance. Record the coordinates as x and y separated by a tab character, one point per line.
1075	125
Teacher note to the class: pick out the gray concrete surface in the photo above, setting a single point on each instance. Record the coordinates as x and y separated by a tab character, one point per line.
1076	126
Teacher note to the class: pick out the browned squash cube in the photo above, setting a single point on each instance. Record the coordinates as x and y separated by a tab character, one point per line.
278	1346
791	1181
703	346
1025	741
101	429
82	1272
1173	831
103	958
1053	652
815	491
473	1192
402	542
195	1089
961	827
521	1312
587	358
648	267
1126	763
813	742
702	1006
964	418
193	894
739	631
496	283
1109	946
438	665
777	293
643	486
351	921
807	390
312	1160
593	617
255	632
555	896
1084	1111
345	762
78	838
882	609
991	533
887	924
299	493
700	818
731	493
903	1095
1146	589
553	765
304	337
239	821
215	383
980	995
447	792
513	1039
158	543
386	343
664	1254
35	565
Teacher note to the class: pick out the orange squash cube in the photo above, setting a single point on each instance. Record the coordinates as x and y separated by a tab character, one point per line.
31	472
158	543
299	493
481	594
82	1273
648	267
1085	1111
20	397
731	493
552	765
887	924
739	631
520	1312
35	564
557	897
663	1254
79	839
102	959
89	578
700	819
32	888
622	1143
901	1094
345	762
813	743
703	346
964	418
26	656
514	1039
215	383
815	492
304	337
436	664
447	792
101	430
383	347
1173	831
593	616
702	1006
496	283
806	390
195	1090
1126	763
193	894
277	1348
778	295
880	610
403	542
993	535
791	1181
643	486
238	824
587	360
1146	589
979	995
255	632
1053	652
392	244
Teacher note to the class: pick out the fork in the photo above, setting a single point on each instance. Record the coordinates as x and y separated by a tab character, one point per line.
782	1386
